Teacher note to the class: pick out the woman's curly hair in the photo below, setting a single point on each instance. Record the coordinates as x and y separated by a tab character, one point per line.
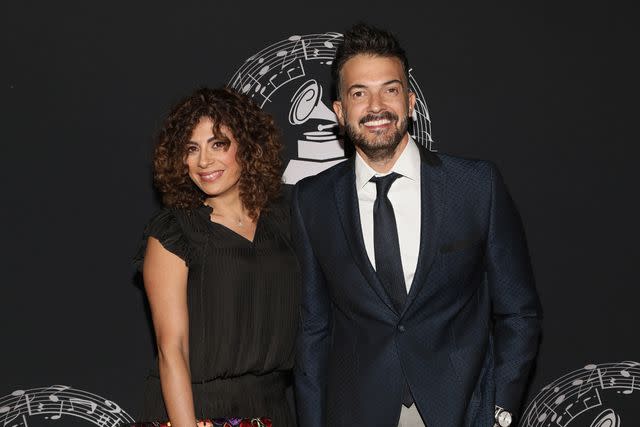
258	148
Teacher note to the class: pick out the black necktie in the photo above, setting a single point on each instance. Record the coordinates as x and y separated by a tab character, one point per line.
387	250
386	244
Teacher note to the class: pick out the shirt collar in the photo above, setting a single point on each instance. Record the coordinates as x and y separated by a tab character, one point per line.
407	165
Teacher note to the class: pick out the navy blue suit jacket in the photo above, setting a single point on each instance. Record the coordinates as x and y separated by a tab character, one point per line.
468	334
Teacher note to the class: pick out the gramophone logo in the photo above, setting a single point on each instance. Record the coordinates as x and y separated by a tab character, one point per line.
318	149
291	79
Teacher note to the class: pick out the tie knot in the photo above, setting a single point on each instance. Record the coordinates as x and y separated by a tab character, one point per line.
383	183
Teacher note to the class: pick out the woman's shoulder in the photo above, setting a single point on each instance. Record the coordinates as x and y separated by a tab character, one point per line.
183	220
162	219
173	228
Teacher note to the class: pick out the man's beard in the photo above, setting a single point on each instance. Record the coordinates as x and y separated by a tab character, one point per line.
382	146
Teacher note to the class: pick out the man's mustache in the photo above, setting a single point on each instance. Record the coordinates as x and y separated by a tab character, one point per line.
385	115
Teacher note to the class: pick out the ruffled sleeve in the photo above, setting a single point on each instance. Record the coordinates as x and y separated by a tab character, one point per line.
165	227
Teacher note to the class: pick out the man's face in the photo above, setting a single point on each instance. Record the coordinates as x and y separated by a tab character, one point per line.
375	104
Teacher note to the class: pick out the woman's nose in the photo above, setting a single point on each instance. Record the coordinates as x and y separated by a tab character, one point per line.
205	158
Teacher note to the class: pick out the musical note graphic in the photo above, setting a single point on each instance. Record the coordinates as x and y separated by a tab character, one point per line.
113	407
57	389
83	402
103	420
56	402
23	400
59	414
631	387
576	396
12	414
300	46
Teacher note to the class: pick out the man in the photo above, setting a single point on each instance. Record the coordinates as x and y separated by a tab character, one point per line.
418	301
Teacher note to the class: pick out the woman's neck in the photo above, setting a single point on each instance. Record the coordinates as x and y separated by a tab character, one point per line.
226	204
231	213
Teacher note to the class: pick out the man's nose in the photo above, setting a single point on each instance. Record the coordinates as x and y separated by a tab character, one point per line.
375	103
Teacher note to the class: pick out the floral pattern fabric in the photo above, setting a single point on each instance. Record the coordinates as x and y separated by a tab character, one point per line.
216	422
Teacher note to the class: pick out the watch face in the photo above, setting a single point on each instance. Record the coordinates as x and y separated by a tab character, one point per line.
504	419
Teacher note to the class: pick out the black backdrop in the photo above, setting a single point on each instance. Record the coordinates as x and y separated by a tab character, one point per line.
541	88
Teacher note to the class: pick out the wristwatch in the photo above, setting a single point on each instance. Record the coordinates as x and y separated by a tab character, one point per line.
503	417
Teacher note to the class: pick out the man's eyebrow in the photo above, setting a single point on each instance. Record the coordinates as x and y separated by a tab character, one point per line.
387	83
394	81
356	86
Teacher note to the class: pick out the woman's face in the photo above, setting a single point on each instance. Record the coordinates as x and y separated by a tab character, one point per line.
211	160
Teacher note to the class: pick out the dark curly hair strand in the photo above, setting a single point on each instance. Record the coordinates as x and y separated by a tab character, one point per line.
258	152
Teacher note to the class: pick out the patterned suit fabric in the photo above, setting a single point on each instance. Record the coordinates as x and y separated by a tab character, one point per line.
468	333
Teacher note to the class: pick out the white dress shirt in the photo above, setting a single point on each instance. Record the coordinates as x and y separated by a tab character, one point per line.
404	195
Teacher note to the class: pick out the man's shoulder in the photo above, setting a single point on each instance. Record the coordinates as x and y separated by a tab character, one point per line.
459	166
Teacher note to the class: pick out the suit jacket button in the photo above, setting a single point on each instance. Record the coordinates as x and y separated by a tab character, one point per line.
401	328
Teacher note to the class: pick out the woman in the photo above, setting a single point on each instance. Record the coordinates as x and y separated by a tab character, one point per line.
219	271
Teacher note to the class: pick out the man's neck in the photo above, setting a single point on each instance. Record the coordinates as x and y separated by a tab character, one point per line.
383	166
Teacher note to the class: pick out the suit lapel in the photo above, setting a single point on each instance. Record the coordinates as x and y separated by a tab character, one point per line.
346	198
431	198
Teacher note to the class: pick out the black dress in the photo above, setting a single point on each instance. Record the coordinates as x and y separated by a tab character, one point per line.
243	314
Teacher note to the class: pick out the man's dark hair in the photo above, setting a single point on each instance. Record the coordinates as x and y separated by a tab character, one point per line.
368	40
